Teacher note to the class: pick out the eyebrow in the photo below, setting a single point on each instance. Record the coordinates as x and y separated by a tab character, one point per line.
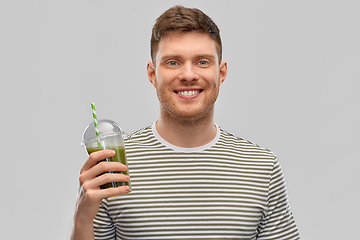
170	56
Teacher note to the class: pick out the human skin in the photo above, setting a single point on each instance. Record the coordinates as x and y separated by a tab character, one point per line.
90	194
187	77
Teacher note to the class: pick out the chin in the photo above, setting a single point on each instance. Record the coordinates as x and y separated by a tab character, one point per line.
193	116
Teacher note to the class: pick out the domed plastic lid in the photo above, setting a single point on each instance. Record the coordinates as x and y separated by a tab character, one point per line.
106	128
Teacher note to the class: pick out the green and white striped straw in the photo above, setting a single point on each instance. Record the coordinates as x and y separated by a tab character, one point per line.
96	124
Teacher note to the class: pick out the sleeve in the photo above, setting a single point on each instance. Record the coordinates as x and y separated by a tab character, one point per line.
278	222
104	228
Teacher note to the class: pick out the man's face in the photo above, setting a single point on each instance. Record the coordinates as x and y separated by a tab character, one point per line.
187	75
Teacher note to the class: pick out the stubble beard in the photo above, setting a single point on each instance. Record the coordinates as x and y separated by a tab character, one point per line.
173	114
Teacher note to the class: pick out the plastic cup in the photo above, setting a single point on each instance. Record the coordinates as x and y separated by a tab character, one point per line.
110	137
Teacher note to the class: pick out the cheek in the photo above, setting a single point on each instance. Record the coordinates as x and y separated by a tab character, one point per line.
165	80
214	80
160	86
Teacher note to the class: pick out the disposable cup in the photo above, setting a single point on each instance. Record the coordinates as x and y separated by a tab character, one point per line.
110	137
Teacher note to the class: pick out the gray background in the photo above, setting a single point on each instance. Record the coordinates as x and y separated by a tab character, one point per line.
292	87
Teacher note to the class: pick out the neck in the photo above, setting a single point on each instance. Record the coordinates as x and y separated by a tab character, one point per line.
187	133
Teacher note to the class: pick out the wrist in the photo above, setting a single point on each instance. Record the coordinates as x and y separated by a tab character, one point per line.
82	229
82	220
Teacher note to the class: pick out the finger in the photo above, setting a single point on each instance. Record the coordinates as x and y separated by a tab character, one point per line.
109	192
95	157
103	179
100	168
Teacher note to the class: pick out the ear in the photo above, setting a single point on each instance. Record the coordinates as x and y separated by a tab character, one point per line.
223	71
151	73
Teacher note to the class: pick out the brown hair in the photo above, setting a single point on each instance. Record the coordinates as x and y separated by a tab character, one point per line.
180	19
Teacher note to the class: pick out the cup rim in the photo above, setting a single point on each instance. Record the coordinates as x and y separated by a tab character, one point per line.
102	136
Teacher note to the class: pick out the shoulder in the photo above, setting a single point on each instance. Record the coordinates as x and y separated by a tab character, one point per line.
142	139
142	135
231	143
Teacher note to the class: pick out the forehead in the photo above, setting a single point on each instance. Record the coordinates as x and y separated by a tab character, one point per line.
186	44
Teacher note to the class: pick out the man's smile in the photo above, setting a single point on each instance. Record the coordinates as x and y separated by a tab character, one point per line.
188	93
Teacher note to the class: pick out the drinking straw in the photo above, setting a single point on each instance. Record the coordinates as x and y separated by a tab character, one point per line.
96	124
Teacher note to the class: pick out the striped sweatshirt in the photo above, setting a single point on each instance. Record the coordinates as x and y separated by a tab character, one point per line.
229	188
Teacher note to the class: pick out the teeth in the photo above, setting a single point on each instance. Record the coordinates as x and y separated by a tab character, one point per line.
188	93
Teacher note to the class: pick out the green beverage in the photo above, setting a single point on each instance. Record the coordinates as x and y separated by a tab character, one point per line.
118	157
109	136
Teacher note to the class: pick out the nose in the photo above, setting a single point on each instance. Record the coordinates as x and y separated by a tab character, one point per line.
188	73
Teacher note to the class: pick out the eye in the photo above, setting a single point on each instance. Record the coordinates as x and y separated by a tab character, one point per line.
203	62
172	63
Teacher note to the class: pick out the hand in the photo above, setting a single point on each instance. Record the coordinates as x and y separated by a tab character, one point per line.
90	194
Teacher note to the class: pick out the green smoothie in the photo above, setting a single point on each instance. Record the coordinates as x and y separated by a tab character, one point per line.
118	157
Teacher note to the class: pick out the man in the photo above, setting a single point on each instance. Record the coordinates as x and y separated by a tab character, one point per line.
190	178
